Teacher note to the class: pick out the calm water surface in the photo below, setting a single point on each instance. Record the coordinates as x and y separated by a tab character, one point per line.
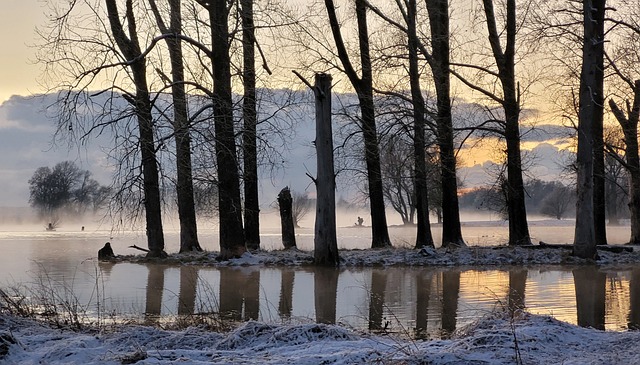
423	302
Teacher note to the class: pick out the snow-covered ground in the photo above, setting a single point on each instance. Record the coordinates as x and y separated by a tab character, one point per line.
499	338
464	256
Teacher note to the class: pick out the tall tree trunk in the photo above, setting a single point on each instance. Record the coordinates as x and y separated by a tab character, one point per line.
249	113
439	22
232	242
325	238
364	88
592	54
599	199
505	61
184	187
518	225
629	124
423	235
130	48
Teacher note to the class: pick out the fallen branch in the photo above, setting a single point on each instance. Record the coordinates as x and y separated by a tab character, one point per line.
139	248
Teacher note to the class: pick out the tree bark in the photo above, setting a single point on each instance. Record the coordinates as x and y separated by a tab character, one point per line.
325	238
592	54
130	48
439	22
232	243
364	88
423	234
285	202
249	132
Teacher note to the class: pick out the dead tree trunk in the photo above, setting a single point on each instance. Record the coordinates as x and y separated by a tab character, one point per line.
325	240
285	202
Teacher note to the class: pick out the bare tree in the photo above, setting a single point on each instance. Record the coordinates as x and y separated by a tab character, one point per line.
135	60
629	122
623	58
557	203
363	84
184	186
232	241
438	59
397	164
301	206
509	99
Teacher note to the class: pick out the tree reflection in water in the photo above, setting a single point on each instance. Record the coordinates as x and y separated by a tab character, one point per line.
376	300
285	304
428	302
155	288
450	294
239	293
590	285
517	286
188	288
325	280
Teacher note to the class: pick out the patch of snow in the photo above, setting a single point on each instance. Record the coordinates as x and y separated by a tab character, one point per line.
500	338
458	256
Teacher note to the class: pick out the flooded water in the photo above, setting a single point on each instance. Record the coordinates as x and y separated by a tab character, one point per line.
421	302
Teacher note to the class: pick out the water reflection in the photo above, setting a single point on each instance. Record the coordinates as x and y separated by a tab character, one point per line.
285	304
239	293
426	302
325	280
188	289
590	285
155	288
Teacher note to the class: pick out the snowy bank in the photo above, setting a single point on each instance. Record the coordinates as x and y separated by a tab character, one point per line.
500	338
461	256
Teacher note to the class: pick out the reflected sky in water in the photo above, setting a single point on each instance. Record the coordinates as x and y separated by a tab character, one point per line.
423	302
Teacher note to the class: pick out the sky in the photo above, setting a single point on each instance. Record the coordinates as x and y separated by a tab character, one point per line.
25	135
18	73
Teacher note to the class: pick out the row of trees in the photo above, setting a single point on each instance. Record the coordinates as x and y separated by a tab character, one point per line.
179	65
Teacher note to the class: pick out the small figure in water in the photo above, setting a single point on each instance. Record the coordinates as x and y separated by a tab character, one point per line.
50	227
82	229
360	222
106	253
